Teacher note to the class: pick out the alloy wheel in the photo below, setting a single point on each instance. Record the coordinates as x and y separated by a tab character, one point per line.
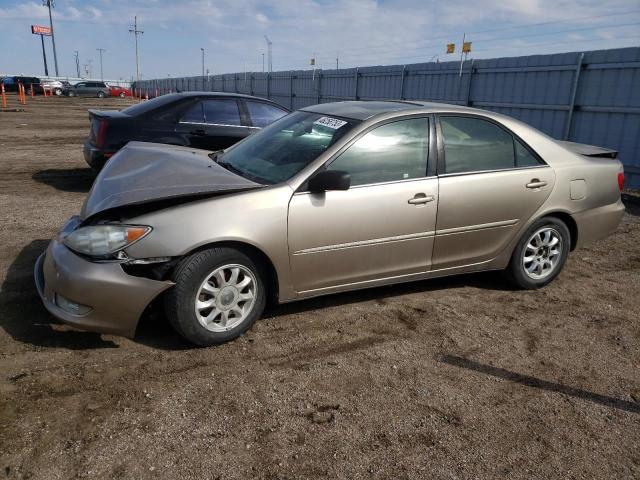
542	253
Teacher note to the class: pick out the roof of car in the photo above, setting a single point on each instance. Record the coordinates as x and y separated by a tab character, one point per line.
221	94
364	109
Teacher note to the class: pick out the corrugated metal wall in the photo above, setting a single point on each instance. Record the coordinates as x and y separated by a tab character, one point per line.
591	97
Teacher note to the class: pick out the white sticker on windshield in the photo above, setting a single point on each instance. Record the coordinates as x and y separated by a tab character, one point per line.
332	123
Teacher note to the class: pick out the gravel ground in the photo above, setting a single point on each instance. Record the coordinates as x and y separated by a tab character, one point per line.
458	378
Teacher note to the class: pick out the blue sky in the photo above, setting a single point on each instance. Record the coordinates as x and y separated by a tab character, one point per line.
359	32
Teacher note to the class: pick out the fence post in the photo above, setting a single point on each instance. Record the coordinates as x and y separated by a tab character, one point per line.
235	83
291	77
356	89
404	68
251	83
468	100
572	99
269	85
319	86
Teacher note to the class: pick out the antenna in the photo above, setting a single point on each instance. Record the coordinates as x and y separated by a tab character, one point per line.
135	32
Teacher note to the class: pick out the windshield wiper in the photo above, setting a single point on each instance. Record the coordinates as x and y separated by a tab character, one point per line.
230	167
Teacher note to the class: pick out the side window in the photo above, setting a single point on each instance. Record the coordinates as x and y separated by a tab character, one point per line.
395	151
524	158
473	144
223	112
193	114
263	114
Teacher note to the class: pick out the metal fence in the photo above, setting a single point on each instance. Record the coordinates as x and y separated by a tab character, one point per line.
587	97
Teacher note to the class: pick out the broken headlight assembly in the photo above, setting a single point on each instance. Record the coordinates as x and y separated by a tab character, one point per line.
104	240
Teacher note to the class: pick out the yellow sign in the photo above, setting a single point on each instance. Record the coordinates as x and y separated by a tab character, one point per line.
466	47
451	47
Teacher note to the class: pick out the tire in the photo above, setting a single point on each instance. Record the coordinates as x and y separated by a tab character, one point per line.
537	260
209	324
72	94
100	94
58	92
122	95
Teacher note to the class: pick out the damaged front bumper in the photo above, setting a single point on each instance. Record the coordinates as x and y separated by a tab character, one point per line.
94	296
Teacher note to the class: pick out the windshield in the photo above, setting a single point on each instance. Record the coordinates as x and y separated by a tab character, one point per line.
285	147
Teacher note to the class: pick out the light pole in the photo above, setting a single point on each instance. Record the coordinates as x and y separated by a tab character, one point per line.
135	32
50	4
269	53
202	49
77	63
263	63
101	50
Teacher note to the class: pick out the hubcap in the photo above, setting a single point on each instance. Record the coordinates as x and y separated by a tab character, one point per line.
226	298
542	253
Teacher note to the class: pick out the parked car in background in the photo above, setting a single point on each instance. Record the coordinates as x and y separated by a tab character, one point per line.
55	86
89	89
330	198
207	120
11	84
122	92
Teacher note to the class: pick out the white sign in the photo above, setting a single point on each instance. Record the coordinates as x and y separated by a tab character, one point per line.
332	123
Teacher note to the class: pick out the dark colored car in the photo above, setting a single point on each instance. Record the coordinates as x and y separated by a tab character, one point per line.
89	89
11	83
206	120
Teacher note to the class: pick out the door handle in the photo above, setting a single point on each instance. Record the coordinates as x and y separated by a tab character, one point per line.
198	132
535	183
421	198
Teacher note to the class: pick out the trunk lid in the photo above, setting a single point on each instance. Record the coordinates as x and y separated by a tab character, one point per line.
146	172
588	150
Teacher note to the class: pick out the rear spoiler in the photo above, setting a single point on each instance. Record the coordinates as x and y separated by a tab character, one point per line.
106	113
589	150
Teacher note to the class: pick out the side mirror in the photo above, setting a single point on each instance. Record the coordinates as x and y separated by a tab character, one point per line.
327	180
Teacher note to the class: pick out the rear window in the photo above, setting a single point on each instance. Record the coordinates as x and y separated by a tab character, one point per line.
221	112
262	114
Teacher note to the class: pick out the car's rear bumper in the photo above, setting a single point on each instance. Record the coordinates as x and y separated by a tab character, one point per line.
598	223
94	156
116	299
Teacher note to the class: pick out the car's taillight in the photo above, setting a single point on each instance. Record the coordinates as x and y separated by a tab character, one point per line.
101	137
621	180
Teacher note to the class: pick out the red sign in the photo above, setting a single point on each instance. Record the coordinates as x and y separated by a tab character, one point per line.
40	30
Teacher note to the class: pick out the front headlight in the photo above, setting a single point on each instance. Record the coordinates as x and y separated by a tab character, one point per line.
103	240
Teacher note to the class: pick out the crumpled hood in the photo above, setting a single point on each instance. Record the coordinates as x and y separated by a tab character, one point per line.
144	172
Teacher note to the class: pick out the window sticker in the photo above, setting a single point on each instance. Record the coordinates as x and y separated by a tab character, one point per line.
332	123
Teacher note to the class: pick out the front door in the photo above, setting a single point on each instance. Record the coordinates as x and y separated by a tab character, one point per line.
490	182
382	227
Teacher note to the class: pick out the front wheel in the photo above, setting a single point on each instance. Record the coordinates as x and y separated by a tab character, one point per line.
58	92
100	94
540	254
218	294
72	94
122	95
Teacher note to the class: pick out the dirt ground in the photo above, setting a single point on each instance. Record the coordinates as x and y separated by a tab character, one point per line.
460	378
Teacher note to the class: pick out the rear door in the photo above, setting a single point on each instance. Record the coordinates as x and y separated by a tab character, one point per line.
490	183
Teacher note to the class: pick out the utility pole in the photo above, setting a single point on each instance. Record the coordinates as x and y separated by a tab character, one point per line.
263	63
50	4
464	37
101	50
135	32
77	64
202	60
269	53
44	57
337	60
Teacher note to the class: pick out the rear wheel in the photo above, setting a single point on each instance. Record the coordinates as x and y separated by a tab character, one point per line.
58	92
219	294
100	94
122	95
72	94
540	254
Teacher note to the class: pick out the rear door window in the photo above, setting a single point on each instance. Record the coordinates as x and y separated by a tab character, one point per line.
474	145
224	111
262	114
